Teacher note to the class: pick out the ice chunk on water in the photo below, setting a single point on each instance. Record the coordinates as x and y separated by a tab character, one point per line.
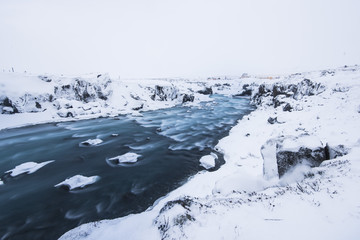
125	158
78	181
28	167
208	161
1	183
91	142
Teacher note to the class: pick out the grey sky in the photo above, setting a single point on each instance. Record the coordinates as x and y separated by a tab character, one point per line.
159	38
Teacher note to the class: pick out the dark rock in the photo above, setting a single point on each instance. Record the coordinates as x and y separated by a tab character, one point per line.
99	75
159	91
272	120
68	106
138	108
45	78
246	92
287	108
287	160
65	87
69	114
335	151
206	91
278	100
37	105
8	103
284	153
188	98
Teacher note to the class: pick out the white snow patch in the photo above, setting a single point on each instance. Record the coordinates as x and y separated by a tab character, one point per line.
208	161
91	142
125	158
78	181
28	168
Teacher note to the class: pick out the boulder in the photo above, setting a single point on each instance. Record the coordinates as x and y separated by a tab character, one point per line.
188	98
284	153
206	91
334	151
272	120
287	108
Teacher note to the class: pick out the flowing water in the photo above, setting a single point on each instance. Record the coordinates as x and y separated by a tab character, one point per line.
170	142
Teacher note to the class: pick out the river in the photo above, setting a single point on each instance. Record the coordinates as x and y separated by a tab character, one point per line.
170	142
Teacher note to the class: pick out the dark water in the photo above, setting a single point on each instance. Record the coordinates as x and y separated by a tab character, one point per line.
170	142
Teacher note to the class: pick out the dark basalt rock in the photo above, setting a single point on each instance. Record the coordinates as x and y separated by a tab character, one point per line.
159	91
286	160
272	120
188	98
138	108
287	108
8	103
282	154
335	151
282	90
45	78
37	105
206	91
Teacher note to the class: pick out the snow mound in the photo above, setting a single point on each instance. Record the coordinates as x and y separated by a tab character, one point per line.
125	158
28	167
208	161
78	181
91	142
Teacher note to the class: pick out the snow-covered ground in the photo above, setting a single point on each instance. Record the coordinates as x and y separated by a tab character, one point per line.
245	198
27	99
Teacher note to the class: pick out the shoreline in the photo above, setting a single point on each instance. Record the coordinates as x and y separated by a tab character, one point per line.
229	202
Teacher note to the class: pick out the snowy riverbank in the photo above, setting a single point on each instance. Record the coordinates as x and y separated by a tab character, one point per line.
238	201
27	99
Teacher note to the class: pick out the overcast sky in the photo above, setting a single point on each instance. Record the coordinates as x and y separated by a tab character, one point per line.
173	38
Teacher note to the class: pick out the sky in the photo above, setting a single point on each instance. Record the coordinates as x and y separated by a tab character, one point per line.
178	38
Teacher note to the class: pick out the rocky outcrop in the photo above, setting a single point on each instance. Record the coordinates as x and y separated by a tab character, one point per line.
282	154
164	93
278	92
206	91
188	98
83	90
7	106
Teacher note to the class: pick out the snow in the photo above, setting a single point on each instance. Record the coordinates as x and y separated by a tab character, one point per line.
78	181
241	201
1	182
244	199
125	158
305	141
91	142
28	168
208	161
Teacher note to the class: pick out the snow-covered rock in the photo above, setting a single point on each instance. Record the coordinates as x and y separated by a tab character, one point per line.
129	157
208	161
28	168
78	181
282	154
91	142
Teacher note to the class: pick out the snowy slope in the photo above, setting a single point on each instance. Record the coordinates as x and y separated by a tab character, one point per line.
238	202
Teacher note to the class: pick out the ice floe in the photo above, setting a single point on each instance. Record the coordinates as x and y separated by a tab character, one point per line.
28	168
91	142
208	161
129	157
78	181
